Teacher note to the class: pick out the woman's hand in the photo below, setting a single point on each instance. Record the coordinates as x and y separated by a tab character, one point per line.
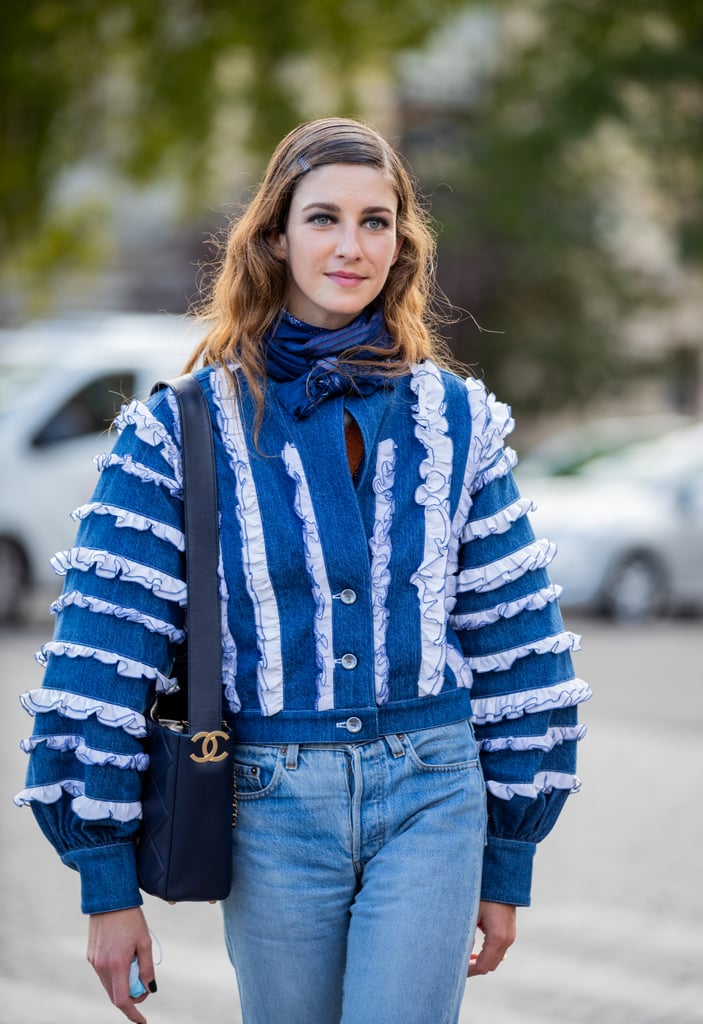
114	939
497	921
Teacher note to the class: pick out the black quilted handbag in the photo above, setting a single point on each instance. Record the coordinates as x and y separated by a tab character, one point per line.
189	803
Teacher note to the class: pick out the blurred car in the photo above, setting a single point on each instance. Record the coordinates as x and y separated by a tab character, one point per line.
628	527
565	452
61	383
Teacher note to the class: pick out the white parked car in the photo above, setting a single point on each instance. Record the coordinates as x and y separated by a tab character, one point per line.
628	527
61	383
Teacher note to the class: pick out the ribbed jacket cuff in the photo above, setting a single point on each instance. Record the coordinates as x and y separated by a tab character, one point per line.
507	871
108	877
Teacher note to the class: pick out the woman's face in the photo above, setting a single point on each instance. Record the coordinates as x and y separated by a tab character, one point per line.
340	242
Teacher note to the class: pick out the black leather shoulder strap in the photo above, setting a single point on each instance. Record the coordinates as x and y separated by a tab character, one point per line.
202	555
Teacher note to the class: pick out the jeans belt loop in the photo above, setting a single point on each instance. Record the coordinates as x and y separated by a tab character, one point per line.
395	744
292	756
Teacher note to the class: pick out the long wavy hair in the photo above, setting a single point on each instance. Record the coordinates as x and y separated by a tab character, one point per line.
252	281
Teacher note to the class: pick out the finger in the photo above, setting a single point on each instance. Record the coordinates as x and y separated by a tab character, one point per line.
146	968
489	957
119	994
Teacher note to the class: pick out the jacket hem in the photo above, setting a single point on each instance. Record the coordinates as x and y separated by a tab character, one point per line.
351	724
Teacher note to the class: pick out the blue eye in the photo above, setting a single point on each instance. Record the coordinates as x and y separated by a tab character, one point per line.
321	219
377	223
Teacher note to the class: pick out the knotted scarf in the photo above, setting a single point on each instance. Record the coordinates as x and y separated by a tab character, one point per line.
305	360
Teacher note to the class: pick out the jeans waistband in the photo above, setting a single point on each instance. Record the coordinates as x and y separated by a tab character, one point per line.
291	751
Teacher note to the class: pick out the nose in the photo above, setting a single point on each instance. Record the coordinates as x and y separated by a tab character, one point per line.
349	242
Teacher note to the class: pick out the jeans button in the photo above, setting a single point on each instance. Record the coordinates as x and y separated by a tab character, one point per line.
353	724
347	596
349	661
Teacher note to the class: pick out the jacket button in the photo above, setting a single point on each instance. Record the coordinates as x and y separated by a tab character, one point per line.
353	724
347	596
349	661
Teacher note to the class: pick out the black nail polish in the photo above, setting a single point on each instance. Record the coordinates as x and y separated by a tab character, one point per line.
152	986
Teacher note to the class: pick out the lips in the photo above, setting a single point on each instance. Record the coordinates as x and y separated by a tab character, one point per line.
345	279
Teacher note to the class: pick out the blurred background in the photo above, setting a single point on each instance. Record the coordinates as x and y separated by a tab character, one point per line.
558	144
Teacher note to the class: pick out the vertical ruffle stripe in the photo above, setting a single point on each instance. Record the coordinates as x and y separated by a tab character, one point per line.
254	562
433	495
380	546
317	573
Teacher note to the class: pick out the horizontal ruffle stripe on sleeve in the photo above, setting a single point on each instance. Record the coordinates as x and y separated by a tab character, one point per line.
513	705
501	661
543	782
95	604
499	521
537	555
546	742
76	706
107	565
84	807
150	430
138	469
124	666
533	602
125	518
86	754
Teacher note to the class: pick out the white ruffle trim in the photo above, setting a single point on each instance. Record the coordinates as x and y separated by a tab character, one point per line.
97	605
482	578
552	738
152	432
319	581
124	518
544	782
431	430
108	566
74	705
254	561
460	667
381	548
491	421
512	705
501	661
503	465
87	755
127	667
127	464
500	522
534	602
229	647
175	411
83	806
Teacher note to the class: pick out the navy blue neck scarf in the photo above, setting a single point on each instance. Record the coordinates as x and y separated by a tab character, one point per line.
304	359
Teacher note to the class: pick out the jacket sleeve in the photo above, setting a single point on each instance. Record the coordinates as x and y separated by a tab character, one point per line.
524	692
119	619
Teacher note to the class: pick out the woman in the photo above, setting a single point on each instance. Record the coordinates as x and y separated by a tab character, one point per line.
390	635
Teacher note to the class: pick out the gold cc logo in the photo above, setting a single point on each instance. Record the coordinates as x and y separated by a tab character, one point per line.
209	746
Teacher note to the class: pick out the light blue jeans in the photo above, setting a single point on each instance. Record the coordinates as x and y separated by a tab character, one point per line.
357	872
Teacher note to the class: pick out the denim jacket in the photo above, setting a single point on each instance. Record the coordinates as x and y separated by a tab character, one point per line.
413	594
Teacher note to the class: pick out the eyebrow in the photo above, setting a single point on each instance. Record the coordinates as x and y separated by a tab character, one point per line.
334	208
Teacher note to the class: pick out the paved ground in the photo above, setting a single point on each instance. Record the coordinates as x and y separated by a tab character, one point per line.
615	933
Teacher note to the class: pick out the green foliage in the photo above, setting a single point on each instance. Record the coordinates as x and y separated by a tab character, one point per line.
530	238
140	83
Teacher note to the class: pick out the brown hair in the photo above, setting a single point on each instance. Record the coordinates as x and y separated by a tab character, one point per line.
252	281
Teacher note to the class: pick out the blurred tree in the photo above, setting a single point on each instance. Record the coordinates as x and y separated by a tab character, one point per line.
140	84
576	190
